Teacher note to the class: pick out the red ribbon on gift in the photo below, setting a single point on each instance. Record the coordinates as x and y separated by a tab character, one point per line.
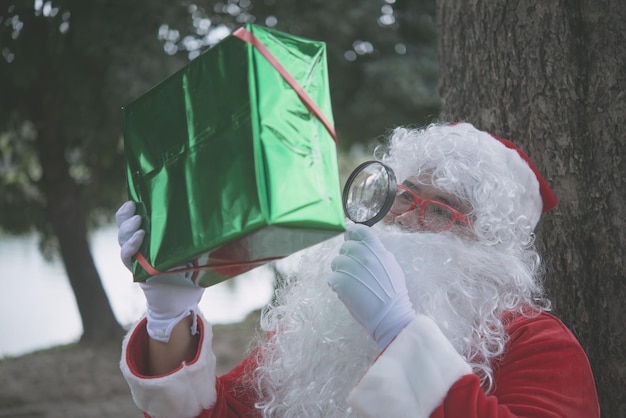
227	268
247	36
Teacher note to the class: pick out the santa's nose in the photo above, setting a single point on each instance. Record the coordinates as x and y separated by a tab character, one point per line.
410	221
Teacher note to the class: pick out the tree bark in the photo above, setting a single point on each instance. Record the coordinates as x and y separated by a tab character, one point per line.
63	211
551	76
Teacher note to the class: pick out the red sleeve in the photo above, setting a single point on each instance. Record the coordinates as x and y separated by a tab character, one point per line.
544	374
235	395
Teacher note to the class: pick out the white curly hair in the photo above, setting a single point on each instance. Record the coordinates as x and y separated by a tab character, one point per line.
317	352
477	168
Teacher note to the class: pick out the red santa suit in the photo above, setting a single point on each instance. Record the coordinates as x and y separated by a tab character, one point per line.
541	373
544	373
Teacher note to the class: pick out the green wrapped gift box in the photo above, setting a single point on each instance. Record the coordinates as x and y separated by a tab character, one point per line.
232	160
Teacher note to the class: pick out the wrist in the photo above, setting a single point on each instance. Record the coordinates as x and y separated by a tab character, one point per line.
160	327
182	347
167	305
393	322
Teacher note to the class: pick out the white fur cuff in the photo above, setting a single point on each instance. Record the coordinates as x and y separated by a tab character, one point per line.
185	392
412	376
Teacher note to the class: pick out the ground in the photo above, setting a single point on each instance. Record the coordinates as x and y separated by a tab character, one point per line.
86	382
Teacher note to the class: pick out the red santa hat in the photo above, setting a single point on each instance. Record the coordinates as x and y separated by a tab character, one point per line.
547	196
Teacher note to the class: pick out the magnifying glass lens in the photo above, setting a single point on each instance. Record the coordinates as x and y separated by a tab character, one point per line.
368	193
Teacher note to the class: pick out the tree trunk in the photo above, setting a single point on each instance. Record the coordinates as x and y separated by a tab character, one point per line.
68	223
551	76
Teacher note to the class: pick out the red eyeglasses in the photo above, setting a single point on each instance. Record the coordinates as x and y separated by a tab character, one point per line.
435	216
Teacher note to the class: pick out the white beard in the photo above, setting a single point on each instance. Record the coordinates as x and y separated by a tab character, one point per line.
318	352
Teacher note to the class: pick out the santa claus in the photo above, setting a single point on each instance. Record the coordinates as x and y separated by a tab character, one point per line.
438	311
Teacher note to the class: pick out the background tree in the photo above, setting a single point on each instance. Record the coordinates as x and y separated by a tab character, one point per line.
66	68
551	76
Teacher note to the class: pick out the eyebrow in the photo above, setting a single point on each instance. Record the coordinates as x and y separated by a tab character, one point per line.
417	189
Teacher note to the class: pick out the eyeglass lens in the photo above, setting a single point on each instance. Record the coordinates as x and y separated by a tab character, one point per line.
432	215
436	217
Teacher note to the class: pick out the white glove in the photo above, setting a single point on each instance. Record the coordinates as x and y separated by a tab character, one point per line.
129	236
369	281
167	303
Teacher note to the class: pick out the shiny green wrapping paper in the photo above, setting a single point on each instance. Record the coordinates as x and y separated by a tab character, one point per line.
228	165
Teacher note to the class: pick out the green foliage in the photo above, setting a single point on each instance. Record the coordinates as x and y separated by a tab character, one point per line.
19	173
75	63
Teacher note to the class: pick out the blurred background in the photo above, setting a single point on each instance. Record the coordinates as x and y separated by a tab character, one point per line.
37	291
68	67
548	75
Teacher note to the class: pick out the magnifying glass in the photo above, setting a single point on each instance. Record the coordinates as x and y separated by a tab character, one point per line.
369	193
